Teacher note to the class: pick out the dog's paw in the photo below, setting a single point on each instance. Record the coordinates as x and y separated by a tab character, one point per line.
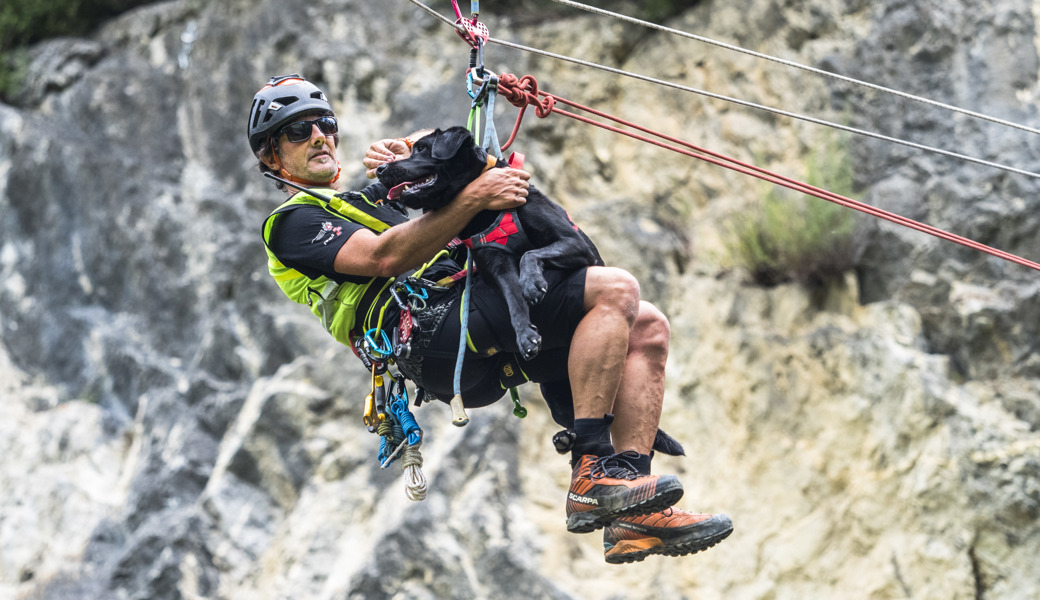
533	284
534	290
529	342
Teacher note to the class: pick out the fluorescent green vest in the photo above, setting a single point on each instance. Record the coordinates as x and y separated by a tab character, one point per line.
335	304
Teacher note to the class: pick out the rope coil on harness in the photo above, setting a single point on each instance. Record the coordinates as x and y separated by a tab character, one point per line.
400	435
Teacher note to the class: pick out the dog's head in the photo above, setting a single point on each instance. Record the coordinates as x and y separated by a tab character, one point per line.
441	164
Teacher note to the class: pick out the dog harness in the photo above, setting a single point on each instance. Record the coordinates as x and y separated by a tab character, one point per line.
505	232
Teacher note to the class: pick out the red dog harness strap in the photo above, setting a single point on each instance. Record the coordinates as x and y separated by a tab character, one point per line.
505	231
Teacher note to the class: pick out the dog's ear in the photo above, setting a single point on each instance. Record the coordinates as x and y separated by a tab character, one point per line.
448	144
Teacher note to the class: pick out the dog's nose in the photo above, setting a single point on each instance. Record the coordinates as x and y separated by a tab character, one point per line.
381	168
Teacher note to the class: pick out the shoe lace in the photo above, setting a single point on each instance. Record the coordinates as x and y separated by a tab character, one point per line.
615	466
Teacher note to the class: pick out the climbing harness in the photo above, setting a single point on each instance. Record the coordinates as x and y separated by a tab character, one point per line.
386	405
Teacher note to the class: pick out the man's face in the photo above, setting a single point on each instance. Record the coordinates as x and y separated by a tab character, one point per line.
312	159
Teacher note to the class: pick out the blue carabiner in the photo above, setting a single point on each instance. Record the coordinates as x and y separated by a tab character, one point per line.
374	349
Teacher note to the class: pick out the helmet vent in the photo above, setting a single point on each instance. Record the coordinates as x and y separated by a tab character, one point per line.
258	107
278	103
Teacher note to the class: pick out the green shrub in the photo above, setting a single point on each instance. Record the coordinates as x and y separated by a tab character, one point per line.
795	237
25	22
14	65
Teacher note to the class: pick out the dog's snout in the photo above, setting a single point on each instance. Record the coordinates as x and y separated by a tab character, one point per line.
381	168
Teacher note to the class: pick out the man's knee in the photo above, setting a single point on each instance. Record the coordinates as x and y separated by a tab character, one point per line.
651	331
612	288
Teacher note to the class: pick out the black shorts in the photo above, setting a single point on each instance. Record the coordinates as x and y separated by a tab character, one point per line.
496	366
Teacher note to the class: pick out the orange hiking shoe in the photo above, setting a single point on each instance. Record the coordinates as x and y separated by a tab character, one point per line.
604	489
672	532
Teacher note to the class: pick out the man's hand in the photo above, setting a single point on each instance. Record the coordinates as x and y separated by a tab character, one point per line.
382	152
497	189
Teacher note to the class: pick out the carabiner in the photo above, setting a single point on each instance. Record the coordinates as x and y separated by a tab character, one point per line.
373	348
375	404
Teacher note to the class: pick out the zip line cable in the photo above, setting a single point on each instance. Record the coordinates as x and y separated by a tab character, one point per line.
814	120
777	111
796	65
524	92
722	160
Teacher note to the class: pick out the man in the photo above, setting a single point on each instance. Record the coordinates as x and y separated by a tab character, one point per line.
604	350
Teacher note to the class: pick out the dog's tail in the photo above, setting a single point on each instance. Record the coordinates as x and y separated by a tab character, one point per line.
666	444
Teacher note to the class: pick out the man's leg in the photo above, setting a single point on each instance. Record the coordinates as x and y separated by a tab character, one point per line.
617	359
637	410
599	346
606	486
637	406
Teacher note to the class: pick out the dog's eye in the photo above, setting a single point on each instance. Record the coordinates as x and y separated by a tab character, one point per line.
420	147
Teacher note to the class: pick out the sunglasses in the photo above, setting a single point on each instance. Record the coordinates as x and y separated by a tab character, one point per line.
300	131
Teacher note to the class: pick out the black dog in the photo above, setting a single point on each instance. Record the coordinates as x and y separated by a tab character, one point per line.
511	248
443	163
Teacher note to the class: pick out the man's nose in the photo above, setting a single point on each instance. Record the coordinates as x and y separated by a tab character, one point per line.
317	132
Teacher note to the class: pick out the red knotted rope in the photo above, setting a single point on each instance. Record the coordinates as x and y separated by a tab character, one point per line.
521	93
524	91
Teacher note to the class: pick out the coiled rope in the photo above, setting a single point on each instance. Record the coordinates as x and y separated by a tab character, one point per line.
400	435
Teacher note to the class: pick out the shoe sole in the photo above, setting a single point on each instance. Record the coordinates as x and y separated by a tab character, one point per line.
667	494
630	551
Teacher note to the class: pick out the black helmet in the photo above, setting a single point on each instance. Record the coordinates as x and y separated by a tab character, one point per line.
278	102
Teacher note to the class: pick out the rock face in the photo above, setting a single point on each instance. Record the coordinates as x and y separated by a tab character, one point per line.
172	427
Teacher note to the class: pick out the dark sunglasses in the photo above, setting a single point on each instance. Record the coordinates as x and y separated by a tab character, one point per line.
300	131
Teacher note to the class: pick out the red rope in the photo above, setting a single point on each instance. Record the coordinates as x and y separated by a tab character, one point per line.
524	92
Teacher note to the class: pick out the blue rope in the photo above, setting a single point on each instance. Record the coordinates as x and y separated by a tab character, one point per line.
465	324
410	427
402	428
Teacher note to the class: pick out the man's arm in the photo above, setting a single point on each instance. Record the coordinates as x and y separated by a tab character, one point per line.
408	245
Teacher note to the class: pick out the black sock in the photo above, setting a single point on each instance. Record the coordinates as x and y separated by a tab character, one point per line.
593	437
641	462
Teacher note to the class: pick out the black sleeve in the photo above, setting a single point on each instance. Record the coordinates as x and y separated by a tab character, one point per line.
375	192
307	238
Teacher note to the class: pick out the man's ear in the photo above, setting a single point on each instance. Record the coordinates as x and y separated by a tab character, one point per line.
448	143
268	158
